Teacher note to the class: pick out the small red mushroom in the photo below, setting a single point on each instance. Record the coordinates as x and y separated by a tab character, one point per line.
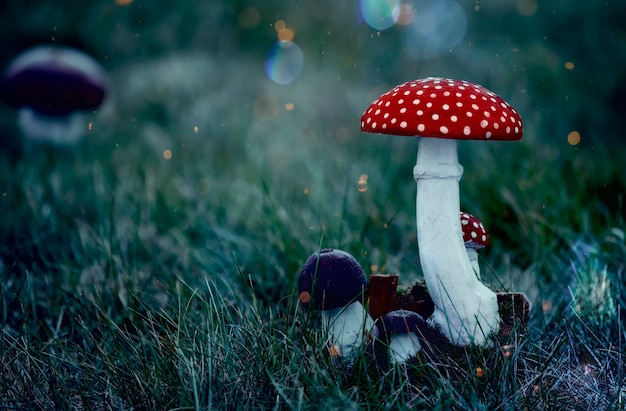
440	111
475	237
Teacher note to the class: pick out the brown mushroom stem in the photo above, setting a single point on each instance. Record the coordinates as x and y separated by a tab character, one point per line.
466	311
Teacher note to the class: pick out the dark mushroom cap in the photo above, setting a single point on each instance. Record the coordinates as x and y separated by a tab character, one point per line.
400	322
54	80
331	279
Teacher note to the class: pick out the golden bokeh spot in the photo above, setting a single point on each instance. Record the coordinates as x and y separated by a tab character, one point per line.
305	297
285	35
90	126
289	106
406	16
196	129
334	351
167	154
569	65
480	372
249	18
306	191
573	138
374	268
123	2
280	25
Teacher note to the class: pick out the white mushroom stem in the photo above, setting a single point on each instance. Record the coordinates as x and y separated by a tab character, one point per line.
55	130
473	258
466	311
348	328
404	346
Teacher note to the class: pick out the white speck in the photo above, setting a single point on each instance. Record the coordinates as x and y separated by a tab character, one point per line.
453	119
386	115
403	124
403	110
406	93
433	95
488	134
516	130
458	94
475	106
446	93
421	127
508	130
435	116
473	234
419	112
416	101
484	123
387	104
384	126
429	104
496	126
443	129
468	114
445	107
419	92
473	96
377	112
467	130
373	125
369	120
401	101
487	114
393	120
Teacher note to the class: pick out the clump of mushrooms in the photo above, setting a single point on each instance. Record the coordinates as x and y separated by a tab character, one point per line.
52	87
333	283
441	111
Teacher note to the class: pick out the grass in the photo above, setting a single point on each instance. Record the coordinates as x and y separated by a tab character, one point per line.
132	281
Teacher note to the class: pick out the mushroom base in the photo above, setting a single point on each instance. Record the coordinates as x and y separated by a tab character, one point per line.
55	130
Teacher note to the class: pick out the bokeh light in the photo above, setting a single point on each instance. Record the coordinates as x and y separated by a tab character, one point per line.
380	14
285	62
362	183
569	65
573	138
438	26
167	154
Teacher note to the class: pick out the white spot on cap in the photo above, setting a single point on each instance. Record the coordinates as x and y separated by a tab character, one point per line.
484	123
445	107
403	124
416	101
453	119
421	127
435	116
443	129
467	130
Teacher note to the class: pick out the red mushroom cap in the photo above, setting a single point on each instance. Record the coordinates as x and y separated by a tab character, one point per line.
474	234
443	108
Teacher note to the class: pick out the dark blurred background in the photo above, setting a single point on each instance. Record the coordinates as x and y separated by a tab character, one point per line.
560	62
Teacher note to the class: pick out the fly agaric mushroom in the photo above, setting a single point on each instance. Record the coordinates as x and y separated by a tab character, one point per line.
440	111
334	283
475	237
52	86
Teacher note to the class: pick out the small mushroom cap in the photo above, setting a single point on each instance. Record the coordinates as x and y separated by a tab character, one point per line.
400	322
54	80
474	234
331	279
443	108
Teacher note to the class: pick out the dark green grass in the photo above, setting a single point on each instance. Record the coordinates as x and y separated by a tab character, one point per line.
129	281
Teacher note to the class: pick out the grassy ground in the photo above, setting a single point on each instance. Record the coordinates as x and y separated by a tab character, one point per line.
130	279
